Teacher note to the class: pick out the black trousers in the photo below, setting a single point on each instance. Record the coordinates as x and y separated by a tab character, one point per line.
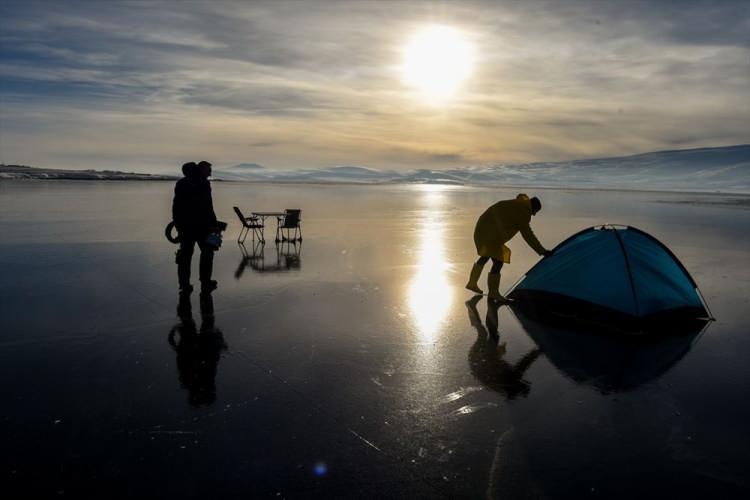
496	264
185	257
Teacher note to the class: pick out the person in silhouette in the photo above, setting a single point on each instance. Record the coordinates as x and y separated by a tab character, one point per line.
194	218
198	350
495	227
486	356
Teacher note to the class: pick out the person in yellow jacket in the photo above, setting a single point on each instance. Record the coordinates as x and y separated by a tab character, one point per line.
495	227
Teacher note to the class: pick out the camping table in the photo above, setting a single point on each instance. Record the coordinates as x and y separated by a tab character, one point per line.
264	215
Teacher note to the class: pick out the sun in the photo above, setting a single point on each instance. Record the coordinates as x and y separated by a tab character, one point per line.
436	61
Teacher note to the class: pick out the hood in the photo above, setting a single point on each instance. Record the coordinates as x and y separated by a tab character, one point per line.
525	200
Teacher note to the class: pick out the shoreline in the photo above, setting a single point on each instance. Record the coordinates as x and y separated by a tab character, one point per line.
139	178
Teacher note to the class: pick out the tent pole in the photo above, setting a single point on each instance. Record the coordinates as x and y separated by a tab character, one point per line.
513	287
705	304
630	273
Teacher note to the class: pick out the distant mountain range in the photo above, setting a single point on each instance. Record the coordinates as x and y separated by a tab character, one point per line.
722	169
25	172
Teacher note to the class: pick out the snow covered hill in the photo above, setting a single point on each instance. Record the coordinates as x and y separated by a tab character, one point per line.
722	169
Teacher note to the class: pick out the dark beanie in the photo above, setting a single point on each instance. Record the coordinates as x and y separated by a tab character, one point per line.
536	205
188	168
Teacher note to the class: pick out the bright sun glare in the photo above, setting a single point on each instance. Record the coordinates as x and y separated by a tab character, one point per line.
436	61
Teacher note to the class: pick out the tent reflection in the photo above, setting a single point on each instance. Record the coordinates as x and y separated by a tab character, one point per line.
598	356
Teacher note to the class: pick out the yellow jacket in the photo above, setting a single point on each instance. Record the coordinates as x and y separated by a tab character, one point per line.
499	223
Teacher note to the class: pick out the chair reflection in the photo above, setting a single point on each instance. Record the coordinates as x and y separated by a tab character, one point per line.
288	257
198	349
487	355
600	357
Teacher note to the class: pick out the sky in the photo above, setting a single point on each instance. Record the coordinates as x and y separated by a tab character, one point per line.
146	86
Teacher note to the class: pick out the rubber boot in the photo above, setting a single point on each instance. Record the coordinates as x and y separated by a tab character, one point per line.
493	283
472	285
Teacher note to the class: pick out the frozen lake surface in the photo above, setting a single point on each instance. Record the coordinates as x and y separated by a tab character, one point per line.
352	364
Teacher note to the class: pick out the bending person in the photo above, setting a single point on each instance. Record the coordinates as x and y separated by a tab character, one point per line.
495	227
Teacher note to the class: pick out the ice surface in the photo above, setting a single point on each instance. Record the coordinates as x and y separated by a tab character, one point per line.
357	369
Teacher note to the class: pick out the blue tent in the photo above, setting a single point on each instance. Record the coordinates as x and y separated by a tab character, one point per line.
620	272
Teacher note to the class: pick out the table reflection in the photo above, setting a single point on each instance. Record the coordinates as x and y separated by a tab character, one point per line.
286	256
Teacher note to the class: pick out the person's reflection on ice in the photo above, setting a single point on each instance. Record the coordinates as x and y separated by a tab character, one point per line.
486	356
198	349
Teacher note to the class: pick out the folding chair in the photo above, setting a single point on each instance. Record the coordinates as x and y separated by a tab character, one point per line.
249	223
290	220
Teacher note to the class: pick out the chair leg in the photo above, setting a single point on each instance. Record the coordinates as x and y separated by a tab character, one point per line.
241	238
300	234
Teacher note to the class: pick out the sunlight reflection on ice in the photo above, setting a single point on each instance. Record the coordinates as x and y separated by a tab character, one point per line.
430	294
469	409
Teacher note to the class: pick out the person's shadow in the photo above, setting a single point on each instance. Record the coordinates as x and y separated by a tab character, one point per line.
487	355
198	349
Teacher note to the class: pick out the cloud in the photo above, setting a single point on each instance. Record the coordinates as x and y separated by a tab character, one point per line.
260	99
302	83
454	158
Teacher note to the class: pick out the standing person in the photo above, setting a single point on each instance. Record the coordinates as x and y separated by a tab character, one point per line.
495	227
194	218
